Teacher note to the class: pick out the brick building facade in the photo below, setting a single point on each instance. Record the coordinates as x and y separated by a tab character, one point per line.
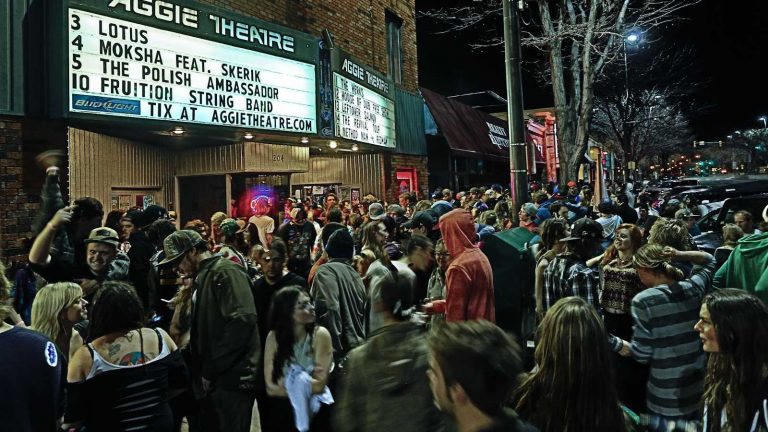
18	206
358	26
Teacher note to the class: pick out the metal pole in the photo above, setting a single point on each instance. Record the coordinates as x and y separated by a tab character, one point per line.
517	162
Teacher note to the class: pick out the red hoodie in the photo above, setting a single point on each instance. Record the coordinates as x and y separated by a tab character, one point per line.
469	278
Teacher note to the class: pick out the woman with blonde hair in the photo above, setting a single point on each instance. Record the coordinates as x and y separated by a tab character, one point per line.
573	387
731	235
56	310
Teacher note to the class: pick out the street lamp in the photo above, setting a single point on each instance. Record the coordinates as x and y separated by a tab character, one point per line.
763	119
633	38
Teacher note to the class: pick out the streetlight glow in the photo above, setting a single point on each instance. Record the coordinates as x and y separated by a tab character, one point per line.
763	119
632	37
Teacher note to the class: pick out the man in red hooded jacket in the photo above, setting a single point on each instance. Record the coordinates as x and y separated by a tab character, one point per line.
469	278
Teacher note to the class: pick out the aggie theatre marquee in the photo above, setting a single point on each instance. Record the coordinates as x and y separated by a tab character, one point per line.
172	62
364	102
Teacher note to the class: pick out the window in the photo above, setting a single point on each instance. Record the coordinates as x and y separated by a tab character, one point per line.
394	47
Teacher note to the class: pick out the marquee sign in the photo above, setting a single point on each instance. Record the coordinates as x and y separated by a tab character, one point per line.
364	106
188	65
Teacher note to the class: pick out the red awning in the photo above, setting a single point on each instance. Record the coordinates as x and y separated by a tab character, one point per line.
469	132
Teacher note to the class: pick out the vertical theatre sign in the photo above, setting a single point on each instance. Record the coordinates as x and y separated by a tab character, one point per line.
176	61
364	103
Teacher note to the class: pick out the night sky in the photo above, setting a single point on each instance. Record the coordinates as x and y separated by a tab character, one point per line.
729	42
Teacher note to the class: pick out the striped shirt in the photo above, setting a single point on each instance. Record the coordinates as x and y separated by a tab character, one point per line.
567	276
663	336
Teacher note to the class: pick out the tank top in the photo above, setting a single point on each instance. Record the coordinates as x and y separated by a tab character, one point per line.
130	398
101	365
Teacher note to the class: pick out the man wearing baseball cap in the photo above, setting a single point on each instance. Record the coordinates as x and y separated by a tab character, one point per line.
224	342
567	275
423	223
104	260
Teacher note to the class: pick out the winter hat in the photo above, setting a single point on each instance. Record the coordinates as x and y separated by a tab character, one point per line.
340	245
149	215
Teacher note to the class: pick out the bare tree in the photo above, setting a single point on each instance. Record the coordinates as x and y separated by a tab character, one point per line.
578	38
653	126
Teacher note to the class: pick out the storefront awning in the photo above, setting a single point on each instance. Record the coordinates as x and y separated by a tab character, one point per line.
469	132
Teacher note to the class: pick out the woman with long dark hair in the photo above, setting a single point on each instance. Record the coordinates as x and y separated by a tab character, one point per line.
572	389
121	379
733	327
295	347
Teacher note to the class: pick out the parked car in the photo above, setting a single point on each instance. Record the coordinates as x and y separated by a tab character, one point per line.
722	192
712	228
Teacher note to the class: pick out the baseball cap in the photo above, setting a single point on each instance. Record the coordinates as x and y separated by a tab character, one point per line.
376	211
103	235
229	227
571	184
179	243
490	192
585	228
421	218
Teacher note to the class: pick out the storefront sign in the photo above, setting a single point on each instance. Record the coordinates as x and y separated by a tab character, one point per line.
118	67
497	135
364	105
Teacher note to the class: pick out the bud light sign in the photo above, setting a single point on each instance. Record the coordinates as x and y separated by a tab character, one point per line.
105	104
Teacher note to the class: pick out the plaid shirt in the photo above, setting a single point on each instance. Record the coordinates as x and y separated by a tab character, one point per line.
567	276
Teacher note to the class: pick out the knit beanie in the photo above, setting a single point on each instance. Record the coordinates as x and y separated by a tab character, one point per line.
340	245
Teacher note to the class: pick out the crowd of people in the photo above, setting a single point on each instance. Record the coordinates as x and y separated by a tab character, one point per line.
374	316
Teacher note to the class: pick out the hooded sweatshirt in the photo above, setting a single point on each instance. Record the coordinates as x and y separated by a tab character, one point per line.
469	278
747	267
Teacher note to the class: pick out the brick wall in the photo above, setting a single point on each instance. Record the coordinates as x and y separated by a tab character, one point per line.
17	208
358	26
395	161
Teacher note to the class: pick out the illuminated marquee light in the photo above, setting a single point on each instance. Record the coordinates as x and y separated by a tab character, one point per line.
149	73
362	114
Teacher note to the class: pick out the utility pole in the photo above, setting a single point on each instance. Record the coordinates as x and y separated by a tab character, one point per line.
517	156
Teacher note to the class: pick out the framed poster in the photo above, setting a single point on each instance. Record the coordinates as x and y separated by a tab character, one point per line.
115	202
124	202
354	195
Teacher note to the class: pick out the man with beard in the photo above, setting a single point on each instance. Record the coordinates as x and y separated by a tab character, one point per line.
224	348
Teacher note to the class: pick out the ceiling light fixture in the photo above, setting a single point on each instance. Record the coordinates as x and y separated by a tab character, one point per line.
355	147
178	130
304	140
248	136
333	144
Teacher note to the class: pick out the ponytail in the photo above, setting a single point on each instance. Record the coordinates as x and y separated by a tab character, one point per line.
673	272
